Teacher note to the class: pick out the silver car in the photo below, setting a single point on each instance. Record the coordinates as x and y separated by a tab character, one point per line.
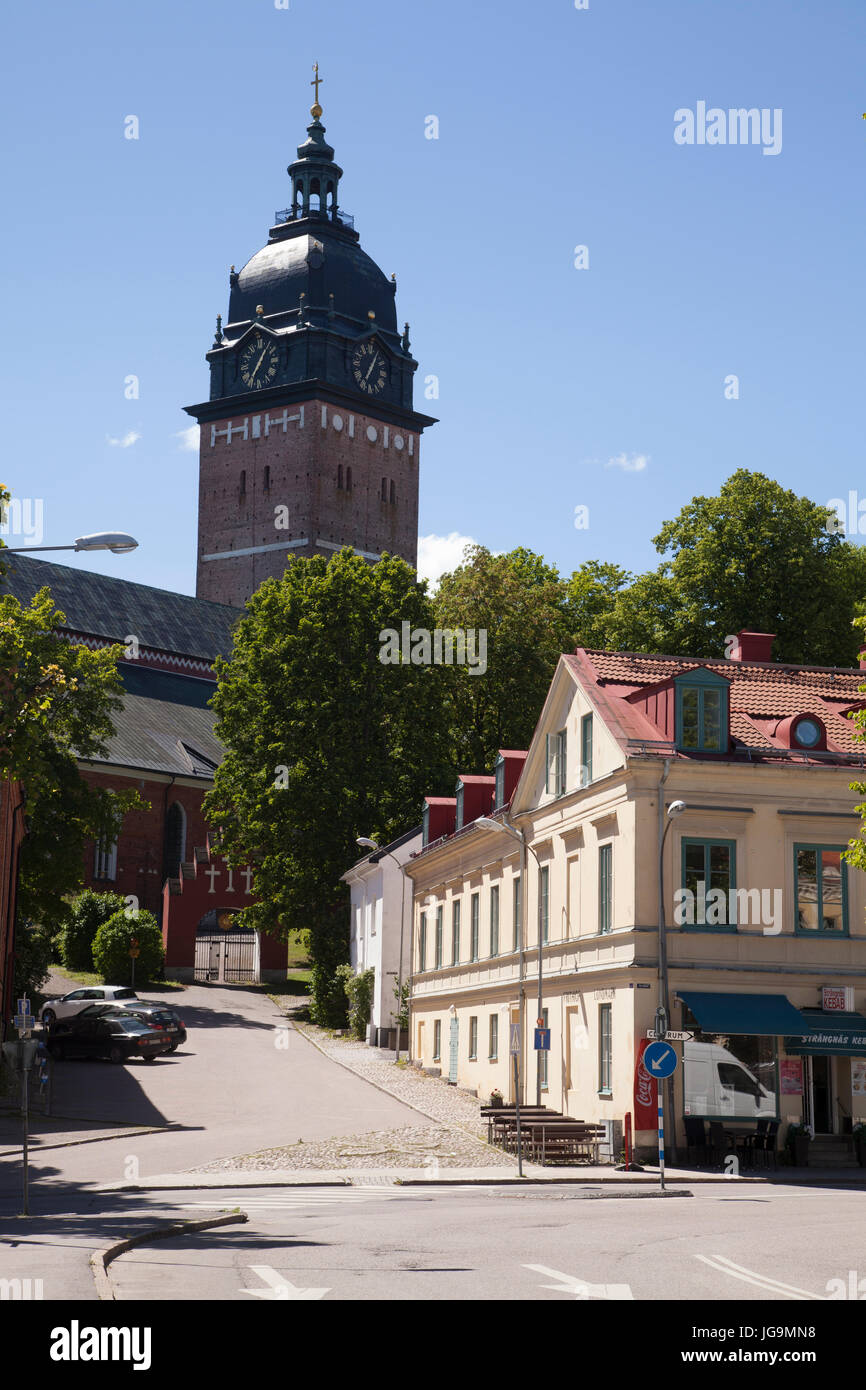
67	1005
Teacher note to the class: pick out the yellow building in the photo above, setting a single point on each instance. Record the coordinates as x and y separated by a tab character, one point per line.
740	769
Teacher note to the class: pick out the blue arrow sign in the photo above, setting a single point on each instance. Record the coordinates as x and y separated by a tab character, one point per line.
660	1060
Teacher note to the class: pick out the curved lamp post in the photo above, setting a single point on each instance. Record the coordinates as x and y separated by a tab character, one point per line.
118	542
674	810
366	843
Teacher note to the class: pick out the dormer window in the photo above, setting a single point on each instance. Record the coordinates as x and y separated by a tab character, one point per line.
702	712
807	731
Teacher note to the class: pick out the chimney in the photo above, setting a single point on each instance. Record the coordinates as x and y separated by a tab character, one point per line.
753	646
862	655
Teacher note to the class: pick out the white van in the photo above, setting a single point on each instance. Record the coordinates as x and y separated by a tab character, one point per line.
717	1083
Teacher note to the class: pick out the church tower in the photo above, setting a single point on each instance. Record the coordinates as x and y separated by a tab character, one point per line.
309	440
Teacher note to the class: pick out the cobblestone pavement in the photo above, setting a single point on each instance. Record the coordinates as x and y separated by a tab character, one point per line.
429	1147
429	1094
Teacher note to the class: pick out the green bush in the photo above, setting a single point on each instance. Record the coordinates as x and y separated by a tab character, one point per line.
111	948
86	915
32	959
359	992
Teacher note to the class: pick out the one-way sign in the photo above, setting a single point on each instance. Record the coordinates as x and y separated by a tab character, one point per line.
670	1035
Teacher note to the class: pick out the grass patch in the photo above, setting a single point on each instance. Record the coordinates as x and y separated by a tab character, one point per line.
90	977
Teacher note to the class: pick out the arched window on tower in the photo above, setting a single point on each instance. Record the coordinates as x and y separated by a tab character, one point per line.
339	475
315	195
174	841
349	478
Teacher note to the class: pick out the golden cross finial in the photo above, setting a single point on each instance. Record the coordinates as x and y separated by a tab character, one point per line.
315	109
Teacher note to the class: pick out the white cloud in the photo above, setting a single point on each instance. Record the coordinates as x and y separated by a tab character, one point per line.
439	554
188	439
629	463
126	441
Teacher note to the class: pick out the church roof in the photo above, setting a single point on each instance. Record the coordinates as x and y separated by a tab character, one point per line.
162	736
101	606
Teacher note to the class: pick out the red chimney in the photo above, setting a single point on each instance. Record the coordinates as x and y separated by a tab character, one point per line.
862	655
753	646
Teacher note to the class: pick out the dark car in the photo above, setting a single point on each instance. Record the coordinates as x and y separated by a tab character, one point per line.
107	1033
157	1016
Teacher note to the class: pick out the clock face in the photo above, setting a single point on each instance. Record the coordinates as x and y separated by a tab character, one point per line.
258	364
369	368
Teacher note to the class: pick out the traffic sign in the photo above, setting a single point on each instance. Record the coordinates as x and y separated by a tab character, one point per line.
515	1039
660	1060
542	1039
670	1036
135	952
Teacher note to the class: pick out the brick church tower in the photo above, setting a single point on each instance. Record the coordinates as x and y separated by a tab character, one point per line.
309	440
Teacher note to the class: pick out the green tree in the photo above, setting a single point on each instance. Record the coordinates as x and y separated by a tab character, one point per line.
520	603
86	915
592	594
57	707
111	948
324	742
754	556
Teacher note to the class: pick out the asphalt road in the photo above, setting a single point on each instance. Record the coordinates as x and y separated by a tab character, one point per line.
474	1244
243	1081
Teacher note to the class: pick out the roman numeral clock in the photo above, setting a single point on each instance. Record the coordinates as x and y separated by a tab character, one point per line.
309	437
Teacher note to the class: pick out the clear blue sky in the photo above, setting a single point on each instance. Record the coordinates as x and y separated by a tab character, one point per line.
556	129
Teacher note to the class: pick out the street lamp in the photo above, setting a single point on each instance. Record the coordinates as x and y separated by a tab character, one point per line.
365	842
488	823
118	542
675	809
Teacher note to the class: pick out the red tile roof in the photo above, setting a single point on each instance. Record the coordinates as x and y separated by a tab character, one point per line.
762	694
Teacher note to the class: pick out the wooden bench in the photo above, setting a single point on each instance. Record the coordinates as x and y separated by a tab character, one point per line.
569	1138
508	1127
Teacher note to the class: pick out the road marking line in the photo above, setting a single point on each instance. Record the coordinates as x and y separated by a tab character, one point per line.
279	1288
579	1288
760	1281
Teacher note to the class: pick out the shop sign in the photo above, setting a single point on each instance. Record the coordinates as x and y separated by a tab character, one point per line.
858	1076
837	999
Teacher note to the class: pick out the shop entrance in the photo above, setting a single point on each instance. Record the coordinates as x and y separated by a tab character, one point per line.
820	1094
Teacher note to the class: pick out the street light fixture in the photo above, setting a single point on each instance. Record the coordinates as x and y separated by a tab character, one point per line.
488	823
366	842
118	542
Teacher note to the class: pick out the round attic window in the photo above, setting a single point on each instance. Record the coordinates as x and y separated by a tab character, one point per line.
807	732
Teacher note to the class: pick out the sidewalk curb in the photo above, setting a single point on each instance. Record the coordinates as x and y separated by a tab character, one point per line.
446	1124
101	1259
96	1139
527	1181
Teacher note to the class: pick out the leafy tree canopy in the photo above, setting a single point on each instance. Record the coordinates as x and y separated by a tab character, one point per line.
325	742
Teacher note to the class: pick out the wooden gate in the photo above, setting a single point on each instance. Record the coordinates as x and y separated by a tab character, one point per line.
228	958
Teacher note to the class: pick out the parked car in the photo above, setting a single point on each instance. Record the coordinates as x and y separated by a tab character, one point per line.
107	1032
157	1015
67	1005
